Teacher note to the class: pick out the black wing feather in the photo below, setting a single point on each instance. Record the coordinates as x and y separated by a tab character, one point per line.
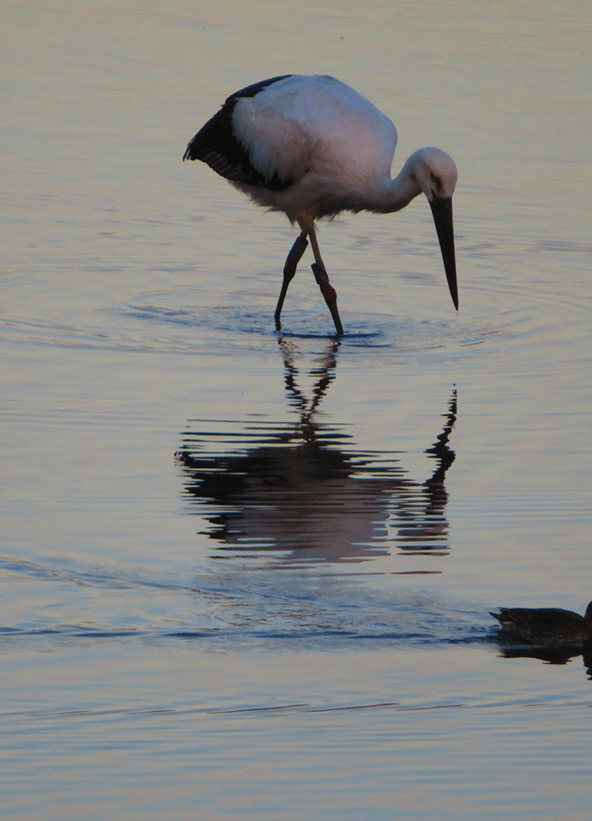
217	146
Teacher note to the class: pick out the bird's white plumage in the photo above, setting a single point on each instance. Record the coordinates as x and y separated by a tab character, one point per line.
320	133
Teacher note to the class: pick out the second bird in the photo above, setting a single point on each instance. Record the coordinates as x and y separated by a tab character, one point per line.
311	146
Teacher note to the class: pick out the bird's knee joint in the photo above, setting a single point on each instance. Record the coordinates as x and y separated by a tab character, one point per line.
320	274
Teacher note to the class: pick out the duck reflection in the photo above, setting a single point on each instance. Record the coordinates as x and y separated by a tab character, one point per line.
552	655
305	487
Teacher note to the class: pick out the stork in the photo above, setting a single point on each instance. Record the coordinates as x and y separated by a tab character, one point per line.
311	146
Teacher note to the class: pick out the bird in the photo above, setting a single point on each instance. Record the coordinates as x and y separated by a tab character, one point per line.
312	147
545	626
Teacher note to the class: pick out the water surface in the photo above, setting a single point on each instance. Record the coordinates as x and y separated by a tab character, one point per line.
248	574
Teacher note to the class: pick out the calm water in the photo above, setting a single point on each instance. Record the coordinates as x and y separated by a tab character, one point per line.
248	575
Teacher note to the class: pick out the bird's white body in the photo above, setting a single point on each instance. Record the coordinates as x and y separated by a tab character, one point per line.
311	146
335	145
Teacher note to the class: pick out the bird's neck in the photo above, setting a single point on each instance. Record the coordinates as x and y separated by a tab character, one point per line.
394	194
588	617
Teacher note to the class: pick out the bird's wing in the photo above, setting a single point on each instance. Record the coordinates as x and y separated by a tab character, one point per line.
544	617
279	148
270	134
243	144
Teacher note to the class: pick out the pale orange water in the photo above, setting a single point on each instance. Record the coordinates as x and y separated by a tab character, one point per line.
248	576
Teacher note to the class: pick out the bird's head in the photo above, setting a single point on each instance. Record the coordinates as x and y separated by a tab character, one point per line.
588	617
436	174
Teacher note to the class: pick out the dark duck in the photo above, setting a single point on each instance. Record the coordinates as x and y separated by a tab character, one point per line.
545	626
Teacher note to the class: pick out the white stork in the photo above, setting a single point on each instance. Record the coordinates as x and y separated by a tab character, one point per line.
311	146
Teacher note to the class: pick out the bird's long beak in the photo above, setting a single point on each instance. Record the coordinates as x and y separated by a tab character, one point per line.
442	211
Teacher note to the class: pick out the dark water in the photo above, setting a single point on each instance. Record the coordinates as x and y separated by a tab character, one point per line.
247	574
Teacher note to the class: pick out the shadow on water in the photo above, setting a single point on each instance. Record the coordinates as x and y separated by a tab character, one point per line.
559	655
306	490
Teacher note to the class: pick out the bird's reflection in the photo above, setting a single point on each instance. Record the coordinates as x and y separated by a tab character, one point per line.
305	487
552	655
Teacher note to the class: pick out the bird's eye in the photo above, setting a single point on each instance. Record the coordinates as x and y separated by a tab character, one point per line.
437	182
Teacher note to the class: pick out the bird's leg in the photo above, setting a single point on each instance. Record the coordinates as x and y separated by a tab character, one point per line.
290	266
327	290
